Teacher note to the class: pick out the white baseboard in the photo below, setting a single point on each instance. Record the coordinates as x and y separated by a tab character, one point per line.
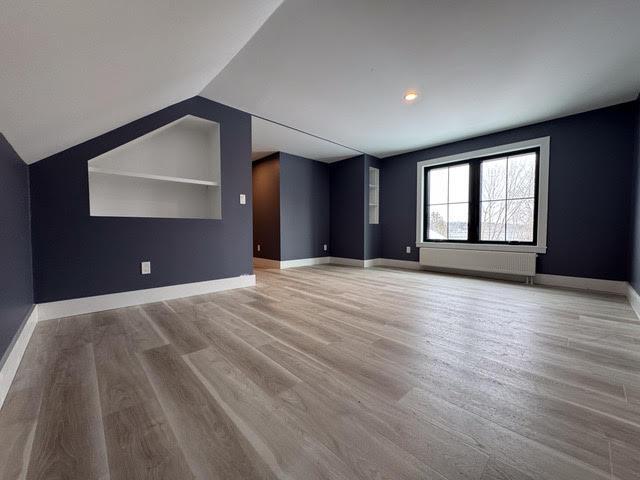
349	262
580	283
376	262
281	264
15	353
407	264
304	262
265	263
634	299
79	306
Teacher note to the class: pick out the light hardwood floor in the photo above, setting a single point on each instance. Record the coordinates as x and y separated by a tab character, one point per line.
334	372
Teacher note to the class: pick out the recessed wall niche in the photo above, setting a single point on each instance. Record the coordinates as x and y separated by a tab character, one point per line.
171	172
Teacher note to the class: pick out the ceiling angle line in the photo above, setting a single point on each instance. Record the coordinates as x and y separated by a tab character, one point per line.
310	134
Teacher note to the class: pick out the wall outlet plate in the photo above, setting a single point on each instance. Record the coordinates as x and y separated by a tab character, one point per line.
258	247
408	249
243	199
325	247
145	268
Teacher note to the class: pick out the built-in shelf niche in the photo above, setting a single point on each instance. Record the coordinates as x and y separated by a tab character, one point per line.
374	195
172	172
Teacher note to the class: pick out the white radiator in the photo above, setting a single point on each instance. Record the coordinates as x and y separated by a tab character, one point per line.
480	260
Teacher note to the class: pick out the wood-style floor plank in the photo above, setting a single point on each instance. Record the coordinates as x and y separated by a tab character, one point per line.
496	470
332	372
69	438
287	448
140	443
444	451
22	404
182	335
625	461
255	365
212	444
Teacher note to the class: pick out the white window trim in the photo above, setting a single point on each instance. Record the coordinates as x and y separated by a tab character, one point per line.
543	144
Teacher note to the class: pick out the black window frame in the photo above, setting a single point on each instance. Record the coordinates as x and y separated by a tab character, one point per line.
473	228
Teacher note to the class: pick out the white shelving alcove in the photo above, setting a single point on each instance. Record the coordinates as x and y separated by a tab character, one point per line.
374	196
172	172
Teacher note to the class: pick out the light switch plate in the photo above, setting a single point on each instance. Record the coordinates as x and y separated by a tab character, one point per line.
243	199
145	268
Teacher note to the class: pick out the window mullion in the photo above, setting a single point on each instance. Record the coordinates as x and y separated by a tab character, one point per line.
474	202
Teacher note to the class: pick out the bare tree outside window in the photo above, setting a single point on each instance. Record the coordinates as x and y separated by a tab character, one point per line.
508	198
448	203
484	199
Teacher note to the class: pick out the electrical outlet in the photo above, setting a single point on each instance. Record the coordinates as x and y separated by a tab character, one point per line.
408	249
145	268
243	199
258	247
325	247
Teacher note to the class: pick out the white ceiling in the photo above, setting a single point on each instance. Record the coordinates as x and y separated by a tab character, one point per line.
269	137
338	69
74	69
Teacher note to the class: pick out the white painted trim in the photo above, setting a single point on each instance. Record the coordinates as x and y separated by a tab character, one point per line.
14	355
376	262
634	299
150	176
79	306
259	262
304	262
372	262
580	283
484	247
350	262
543	143
406	264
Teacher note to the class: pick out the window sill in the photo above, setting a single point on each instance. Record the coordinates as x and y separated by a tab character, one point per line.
484	247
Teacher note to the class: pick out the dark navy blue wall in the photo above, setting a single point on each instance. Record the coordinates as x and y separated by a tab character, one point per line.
76	255
304	207
347	185
372	233
266	207
589	192
16	290
634	270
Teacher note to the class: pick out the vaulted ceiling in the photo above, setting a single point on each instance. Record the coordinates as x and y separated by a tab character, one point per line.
74	69
338	69
269	137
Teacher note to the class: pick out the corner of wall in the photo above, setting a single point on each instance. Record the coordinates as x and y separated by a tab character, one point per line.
16	254
634	241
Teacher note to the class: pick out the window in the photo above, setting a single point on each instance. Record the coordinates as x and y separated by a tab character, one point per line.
448	203
507	201
489	199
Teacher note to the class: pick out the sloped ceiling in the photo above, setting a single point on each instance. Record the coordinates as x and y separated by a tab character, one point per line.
338	69
74	69
268	137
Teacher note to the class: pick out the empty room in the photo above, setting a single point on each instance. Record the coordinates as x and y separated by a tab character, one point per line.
320	239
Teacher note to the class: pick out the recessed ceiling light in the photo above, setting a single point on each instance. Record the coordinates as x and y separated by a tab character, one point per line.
411	95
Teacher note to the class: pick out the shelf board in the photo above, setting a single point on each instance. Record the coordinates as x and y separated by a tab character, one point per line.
373	204
149	176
